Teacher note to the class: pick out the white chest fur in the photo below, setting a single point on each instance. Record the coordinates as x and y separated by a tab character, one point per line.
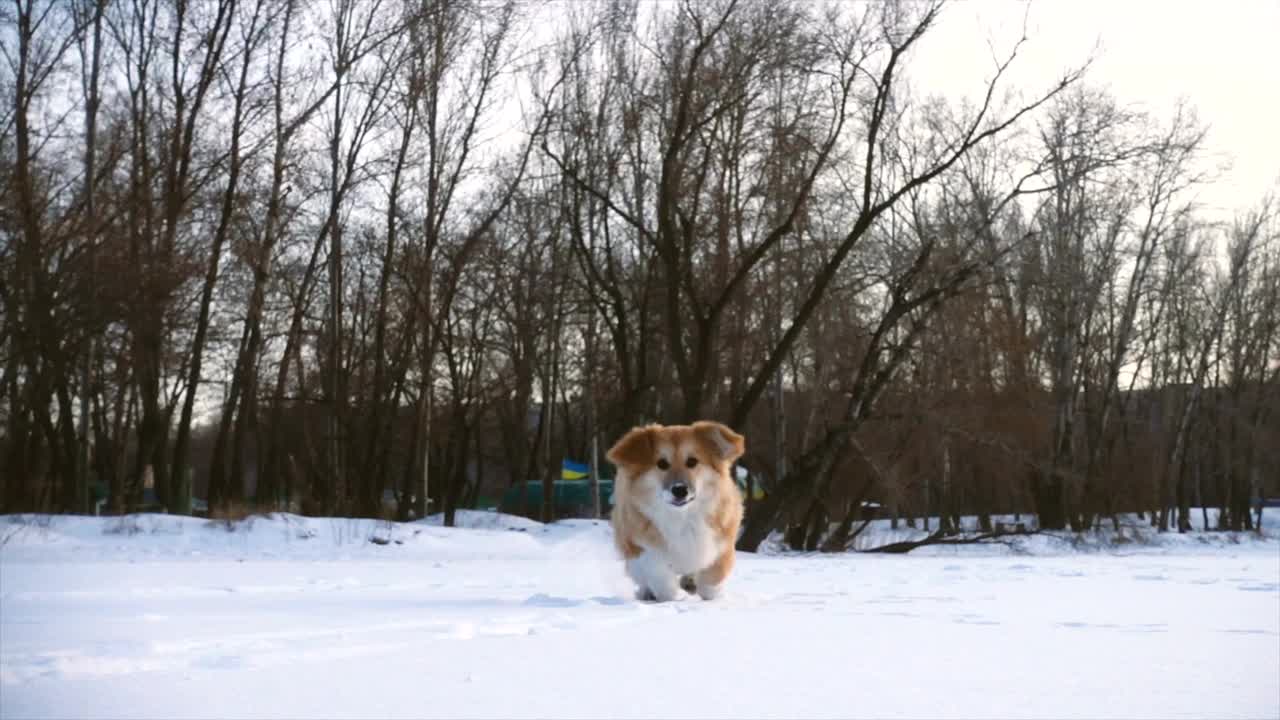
690	544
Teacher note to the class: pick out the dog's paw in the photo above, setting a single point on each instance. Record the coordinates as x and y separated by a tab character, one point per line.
708	591
659	594
688	584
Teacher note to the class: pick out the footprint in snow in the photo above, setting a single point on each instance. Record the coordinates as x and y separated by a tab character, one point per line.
544	600
220	662
801	598
1260	587
1148	628
972	620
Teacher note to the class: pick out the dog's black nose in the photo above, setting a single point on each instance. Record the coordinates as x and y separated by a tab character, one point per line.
679	492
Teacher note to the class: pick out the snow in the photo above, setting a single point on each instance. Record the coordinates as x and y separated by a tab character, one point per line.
285	616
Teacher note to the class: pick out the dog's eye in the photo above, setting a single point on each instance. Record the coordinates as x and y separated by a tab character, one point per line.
663	464
691	462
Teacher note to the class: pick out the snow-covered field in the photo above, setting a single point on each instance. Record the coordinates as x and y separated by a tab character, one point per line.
154	616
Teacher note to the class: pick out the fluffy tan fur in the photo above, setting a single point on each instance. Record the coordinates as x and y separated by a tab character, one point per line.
698	541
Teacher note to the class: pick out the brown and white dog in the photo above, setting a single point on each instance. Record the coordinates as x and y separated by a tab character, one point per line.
676	509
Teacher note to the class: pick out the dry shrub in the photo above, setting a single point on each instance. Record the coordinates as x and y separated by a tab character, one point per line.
232	514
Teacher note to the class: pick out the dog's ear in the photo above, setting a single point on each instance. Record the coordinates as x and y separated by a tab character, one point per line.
726	444
634	448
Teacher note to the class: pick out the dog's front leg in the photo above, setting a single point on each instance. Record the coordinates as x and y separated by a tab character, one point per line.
711	579
655	578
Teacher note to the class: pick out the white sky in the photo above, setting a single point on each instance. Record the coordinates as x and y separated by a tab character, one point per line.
1223	57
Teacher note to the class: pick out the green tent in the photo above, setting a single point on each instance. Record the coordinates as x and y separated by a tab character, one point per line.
572	498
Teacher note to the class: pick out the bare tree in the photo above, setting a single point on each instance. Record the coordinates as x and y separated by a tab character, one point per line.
463	50
252	35
417	245
38	370
1247	235
911	297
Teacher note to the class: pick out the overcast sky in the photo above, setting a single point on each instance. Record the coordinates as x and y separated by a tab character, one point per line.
1223	56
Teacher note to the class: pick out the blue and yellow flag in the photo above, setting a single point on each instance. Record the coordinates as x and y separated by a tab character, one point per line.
570	470
758	492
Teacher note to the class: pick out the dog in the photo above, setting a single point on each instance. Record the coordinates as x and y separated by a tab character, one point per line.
676	510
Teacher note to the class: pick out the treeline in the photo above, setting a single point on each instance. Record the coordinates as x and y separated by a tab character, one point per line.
301	254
